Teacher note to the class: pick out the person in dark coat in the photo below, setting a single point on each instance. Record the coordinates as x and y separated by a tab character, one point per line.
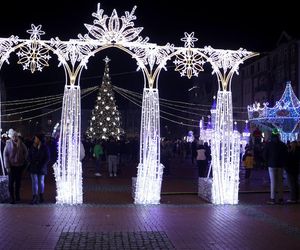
275	155
38	159
202	159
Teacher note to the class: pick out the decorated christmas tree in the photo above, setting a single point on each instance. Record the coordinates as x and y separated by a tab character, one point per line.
105	119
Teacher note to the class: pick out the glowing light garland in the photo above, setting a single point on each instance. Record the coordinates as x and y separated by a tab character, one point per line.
150	171
284	116
67	170
119	32
1	157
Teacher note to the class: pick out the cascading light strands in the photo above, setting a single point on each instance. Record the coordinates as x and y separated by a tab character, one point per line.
225	153
150	171
68	169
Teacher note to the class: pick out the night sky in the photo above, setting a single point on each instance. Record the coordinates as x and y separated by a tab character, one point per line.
250	25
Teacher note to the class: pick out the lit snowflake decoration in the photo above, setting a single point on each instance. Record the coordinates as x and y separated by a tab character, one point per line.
189	40
114	29
189	63
33	55
35	32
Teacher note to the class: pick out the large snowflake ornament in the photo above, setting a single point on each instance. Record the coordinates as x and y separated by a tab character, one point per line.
34	55
114	29
189	63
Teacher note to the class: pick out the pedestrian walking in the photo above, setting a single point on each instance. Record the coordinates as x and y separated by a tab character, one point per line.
98	153
15	154
248	161
276	156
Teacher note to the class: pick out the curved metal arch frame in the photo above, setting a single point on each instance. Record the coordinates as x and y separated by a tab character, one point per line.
66	67
224	79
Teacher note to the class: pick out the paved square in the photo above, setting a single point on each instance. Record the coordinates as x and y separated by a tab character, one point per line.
114	240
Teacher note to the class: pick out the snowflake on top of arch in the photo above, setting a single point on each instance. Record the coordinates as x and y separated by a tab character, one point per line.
189	40
33	55
114	29
189	62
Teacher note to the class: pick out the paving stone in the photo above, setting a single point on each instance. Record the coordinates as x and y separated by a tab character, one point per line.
114	240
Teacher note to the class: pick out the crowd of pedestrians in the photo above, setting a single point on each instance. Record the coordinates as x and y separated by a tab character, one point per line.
38	154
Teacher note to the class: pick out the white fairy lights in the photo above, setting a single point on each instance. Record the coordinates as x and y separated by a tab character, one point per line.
67	170
119	32
104	122
150	171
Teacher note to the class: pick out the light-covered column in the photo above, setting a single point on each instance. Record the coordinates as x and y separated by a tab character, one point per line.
225	153
68	170
150	171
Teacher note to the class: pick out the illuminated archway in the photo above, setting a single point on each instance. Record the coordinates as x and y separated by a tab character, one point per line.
114	31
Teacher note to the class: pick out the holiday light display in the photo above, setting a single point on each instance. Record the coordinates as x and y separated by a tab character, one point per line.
1	158
148	184
119	32
67	170
284	116
105	120
206	132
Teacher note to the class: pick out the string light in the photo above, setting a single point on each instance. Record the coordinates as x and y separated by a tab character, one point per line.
86	93
137	102
67	169
150	171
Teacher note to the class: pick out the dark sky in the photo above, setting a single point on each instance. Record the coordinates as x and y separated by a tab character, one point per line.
249	24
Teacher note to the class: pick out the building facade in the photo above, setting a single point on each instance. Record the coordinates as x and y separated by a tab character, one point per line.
263	78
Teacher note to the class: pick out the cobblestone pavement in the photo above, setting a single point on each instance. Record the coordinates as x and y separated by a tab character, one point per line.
108	219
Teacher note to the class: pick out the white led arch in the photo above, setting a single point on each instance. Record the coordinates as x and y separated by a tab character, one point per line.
114	31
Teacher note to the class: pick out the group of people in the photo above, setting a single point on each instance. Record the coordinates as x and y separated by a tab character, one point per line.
36	158
17	158
278	157
112	150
